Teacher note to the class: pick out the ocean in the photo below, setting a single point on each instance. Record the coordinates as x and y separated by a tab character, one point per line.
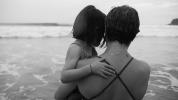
31	58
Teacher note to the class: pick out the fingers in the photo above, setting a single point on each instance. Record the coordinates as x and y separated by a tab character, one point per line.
110	67
109	72
104	70
103	75
106	64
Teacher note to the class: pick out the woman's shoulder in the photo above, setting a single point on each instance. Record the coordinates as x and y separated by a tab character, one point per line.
142	66
141	70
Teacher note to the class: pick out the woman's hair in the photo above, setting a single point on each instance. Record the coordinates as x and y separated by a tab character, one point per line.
89	25
122	25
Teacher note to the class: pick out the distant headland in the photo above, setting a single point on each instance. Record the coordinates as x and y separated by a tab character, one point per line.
34	24
174	22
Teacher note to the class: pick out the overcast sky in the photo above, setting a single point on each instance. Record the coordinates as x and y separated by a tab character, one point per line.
65	11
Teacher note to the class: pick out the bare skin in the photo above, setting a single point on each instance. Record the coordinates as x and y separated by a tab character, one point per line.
135	76
70	75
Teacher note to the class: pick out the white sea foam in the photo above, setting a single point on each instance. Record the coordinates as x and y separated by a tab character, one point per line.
33	32
43	31
158	31
9	85
41	78
28	88
168	76
150	93
56	61
162	82
10	69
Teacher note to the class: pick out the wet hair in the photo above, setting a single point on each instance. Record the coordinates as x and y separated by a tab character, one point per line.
122	25
89	25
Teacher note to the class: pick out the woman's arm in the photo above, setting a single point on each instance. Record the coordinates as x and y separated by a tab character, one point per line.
69	73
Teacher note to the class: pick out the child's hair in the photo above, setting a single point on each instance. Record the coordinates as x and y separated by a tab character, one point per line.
122	24
89	25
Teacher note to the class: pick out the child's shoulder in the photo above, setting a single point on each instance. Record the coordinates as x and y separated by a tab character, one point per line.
73	51
76	43
74	47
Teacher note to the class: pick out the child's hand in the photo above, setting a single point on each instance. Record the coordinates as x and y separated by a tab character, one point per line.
102	69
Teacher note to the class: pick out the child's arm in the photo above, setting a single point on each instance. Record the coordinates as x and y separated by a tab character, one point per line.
98	67
69	73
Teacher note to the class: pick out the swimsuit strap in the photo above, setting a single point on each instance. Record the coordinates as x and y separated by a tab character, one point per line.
99	56
77	44
123	83
125	66
117	76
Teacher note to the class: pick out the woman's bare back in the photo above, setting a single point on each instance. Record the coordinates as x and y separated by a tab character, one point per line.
135	77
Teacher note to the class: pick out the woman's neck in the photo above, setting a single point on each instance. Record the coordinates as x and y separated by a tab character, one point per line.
115	48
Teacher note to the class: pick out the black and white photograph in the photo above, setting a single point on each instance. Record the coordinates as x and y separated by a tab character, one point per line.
88	49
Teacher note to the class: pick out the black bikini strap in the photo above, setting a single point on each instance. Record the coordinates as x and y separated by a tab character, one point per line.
125	86
77	44
107	85
117	76
125	66
99	56
103	89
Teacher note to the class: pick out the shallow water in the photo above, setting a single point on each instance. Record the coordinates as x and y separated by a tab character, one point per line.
30	68
162	55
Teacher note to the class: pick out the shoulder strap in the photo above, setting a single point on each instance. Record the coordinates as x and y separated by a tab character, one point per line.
123	83
77	44
107	85
125	66
117	76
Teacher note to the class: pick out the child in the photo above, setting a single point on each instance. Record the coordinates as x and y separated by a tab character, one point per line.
88	30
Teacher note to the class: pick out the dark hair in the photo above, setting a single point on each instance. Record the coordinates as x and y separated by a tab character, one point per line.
89	25
122	25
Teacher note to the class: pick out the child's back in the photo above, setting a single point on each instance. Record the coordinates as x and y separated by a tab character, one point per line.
88	30
85	51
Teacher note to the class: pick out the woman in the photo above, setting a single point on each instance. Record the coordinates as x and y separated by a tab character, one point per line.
131	79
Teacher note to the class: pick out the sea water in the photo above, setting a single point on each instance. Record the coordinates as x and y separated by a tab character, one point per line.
31	58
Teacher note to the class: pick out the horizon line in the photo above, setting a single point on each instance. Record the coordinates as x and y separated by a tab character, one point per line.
49	24
37	24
